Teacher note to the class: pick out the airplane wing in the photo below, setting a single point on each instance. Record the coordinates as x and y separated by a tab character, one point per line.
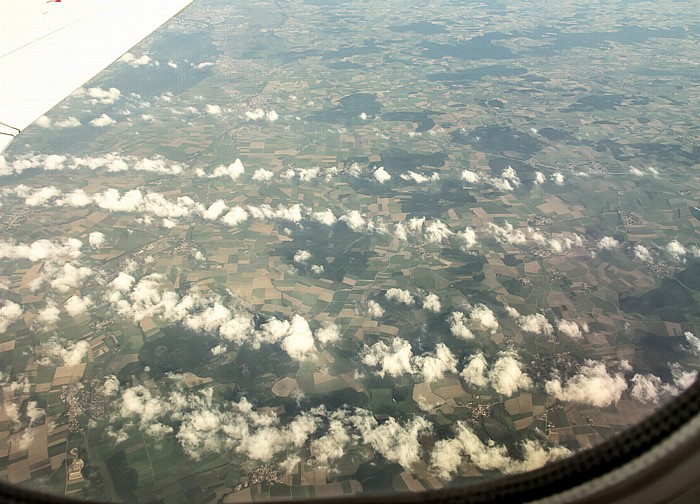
49	49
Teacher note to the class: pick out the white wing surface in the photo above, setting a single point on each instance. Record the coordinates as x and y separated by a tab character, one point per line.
49	49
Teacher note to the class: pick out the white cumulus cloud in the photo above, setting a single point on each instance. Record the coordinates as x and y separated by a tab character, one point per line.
400	296
394	441
505	375
591	385
328	333
471	177
569	328
215	210
432	367
235	216
475	372
375	310
676	250
214	110
302	256
102	121
643	254
395	359
134	61
96	239
76	305
467	239
459	326
608	243
381	175
9	313
262	175
104	96
432	303
449	454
